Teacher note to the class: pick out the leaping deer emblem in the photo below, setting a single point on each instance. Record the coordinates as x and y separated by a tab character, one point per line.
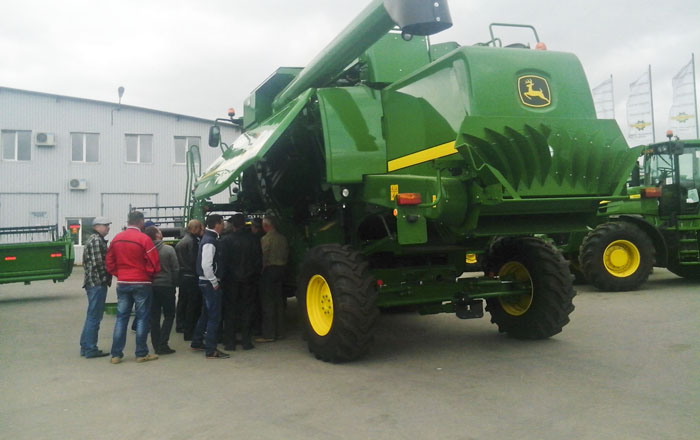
534	93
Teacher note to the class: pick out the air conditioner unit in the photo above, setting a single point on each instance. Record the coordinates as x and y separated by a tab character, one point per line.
42	139
78	184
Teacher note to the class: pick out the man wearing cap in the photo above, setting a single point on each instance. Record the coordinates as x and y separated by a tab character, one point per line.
95	283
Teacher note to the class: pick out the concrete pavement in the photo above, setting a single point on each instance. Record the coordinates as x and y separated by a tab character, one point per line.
626	367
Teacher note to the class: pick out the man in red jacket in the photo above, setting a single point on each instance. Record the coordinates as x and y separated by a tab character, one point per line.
133	259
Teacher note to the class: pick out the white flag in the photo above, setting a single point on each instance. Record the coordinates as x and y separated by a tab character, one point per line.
682	117
604	100
640	119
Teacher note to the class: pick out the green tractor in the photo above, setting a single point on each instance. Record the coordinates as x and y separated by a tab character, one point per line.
394	164
658	225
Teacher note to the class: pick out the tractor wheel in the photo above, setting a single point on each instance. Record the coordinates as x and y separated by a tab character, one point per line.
617	256
337	297
545	310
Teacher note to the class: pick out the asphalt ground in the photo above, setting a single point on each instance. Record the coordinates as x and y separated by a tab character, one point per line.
626	367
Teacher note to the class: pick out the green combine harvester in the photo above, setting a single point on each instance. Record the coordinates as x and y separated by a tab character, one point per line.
34	253
393	164
657	225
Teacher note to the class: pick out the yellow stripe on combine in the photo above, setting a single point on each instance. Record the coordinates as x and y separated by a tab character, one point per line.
422	156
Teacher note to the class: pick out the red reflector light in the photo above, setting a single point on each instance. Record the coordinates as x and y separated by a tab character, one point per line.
10	258
408	199
651	193
380	283
56	255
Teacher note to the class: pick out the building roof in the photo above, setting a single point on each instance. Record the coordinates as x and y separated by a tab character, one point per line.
108	103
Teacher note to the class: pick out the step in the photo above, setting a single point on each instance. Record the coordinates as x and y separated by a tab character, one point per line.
688	240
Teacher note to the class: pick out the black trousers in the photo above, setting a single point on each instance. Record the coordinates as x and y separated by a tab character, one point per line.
272	302
163	301
189	300
239	304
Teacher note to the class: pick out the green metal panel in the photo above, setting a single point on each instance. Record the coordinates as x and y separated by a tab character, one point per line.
442	49
249	147
26	262
429	108
258	106
352	132
392	58
548	157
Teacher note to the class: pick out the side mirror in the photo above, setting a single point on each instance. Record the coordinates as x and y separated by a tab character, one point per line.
214	136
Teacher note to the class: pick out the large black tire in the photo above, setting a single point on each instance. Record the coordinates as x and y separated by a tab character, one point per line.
598	264
345	331
551	300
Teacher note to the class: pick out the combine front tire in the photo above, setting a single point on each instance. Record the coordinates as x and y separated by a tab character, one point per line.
617	256
337	297
545	309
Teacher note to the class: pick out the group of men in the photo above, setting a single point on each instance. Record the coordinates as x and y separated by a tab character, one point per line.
229	277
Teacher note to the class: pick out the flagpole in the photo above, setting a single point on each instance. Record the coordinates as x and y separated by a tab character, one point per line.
695	96
612	92
651	96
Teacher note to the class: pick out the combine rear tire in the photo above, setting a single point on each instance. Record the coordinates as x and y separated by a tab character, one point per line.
545	310
337	297
617	256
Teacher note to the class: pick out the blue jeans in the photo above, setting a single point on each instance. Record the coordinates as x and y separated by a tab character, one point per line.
209	319
96	296
127	296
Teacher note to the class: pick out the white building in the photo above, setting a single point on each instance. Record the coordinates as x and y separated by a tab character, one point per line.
66	160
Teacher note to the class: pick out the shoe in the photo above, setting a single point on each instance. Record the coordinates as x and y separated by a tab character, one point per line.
116	360
95	354
216	354
197	347
148	357
165	350
264	340
248	346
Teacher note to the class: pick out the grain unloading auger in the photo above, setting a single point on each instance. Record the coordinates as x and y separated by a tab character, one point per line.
393	164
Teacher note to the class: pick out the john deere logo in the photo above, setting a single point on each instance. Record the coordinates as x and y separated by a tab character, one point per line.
534	91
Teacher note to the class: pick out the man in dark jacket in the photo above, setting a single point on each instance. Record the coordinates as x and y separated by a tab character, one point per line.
164	284
275	252
242	260
133	259
209	269
96	282
189	299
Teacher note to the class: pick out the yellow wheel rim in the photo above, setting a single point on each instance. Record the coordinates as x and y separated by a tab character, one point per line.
516	305
621	258
319	305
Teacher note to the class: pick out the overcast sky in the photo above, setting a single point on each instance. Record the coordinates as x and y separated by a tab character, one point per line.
200	58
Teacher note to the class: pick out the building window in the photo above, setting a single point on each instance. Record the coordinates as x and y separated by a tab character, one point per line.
80	228
182	144
86	147
16	145
139	148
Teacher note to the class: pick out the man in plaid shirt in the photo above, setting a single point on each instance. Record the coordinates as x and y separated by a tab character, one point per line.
96	282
